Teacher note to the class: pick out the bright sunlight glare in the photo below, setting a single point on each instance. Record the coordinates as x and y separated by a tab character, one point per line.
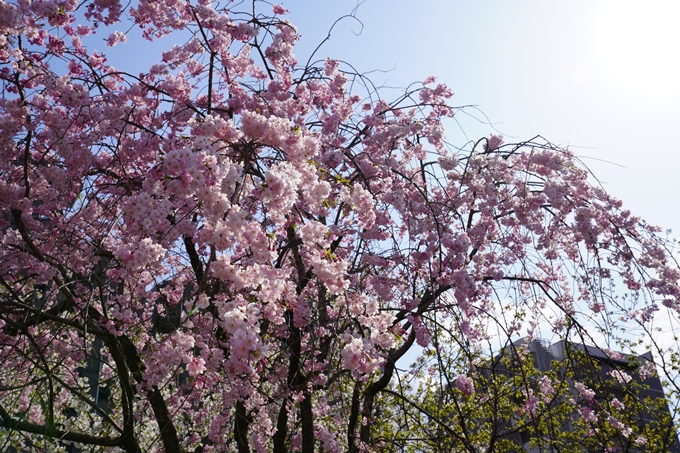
636	46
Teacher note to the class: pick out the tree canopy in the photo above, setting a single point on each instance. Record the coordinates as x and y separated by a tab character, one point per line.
233	251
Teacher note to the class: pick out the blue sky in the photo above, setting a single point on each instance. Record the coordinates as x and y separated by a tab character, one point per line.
602	77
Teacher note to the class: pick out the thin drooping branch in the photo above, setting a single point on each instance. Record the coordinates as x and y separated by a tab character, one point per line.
354	418
307	422
242	421
429	298
127	395
166	426
281	434
50	431
195	260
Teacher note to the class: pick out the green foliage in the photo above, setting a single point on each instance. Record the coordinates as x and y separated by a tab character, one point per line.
426	411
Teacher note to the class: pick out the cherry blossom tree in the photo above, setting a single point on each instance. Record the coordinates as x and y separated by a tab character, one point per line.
248	252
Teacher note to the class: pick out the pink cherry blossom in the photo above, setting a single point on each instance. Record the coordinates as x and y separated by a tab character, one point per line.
617	404
585	392
196	366
226	249
278	9
465	384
